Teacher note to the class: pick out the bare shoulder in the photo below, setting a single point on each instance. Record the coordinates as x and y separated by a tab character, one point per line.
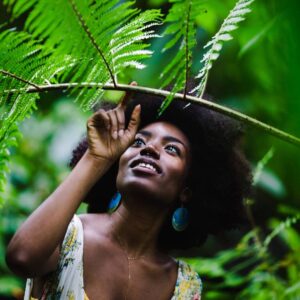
91	221
164	265
97	243
95	226
169	265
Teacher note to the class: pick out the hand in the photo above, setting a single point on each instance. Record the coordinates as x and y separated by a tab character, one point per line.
107	136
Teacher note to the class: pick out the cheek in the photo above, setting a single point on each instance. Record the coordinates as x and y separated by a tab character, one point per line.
123	164
120	174
176	179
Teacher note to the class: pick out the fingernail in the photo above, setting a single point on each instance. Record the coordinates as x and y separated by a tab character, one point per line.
115	135
121	132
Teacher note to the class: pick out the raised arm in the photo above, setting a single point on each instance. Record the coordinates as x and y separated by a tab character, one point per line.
34	249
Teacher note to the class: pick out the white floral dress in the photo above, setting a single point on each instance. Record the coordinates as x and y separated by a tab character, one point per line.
66	283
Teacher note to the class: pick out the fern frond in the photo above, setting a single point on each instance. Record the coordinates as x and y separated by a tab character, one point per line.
261	165
23	64
236	15
102	37
20	58
290	221
183	30
11	140
126	46
92	40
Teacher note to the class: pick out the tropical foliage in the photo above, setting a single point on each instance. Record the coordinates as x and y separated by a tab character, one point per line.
91	46
251	270
215	45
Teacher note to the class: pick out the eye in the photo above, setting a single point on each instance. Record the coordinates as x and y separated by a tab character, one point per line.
138	142
173	149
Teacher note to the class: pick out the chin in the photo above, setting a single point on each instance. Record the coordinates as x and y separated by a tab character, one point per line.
136	187
143	191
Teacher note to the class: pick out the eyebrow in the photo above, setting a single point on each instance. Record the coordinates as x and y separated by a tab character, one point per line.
168	138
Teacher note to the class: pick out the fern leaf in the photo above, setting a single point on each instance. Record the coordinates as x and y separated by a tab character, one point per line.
215	45
261	165
123	47
290	221
23	63
101	37
183	30
11	140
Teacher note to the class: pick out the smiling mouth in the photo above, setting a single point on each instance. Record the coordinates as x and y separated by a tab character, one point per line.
147	165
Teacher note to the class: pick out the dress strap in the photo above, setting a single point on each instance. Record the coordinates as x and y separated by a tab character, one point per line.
188	284
67	281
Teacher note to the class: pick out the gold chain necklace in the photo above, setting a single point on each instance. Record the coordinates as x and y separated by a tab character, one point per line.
129	259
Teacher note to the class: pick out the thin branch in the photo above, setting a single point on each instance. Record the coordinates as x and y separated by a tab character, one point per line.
157	92
6	73
90	36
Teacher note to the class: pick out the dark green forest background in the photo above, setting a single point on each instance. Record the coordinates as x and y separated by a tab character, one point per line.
257	74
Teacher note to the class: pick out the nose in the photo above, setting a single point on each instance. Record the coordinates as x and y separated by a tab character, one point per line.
150	151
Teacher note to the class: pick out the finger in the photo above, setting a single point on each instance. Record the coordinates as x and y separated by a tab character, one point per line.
114	124
102	115
134	120
127	95
99	119
121	120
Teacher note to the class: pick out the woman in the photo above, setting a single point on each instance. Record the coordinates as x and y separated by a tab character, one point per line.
153	185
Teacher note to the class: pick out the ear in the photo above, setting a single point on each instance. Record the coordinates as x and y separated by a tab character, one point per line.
185	195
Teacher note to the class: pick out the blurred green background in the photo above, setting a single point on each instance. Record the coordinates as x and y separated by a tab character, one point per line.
257	74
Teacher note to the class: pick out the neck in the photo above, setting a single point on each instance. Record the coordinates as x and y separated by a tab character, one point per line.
136	226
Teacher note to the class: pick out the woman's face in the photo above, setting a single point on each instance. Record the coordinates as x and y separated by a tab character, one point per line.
156	164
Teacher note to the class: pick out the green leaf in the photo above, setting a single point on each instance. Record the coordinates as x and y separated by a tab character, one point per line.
183	30
215	45
100	38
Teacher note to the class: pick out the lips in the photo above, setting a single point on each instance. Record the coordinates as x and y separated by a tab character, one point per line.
147	164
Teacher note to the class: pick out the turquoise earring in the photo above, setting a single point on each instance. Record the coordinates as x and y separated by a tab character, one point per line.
114	202
180	219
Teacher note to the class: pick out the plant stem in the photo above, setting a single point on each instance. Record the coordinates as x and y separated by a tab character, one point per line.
157	92
20	79
187	57
93	41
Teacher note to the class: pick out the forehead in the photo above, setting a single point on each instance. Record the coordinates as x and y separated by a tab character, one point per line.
163	129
